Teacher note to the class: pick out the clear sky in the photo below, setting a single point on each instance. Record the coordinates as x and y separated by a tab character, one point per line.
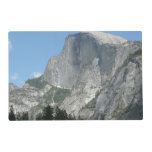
29	52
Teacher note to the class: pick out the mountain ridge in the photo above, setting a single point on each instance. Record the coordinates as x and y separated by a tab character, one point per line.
106	38
103	78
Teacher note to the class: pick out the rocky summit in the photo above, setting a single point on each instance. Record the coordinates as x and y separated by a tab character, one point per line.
97	76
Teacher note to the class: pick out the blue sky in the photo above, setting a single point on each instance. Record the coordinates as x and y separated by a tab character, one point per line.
29	52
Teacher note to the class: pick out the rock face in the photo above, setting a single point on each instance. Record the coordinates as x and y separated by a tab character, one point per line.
103	73
26	98
34	96
122	94
79	51
92	62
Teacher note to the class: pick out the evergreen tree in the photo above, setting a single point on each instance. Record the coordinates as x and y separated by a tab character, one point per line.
11	114
18	116
70	117
39	116
22	116
47	113
60	114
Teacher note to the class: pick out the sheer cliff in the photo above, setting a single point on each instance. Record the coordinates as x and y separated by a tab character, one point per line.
103	74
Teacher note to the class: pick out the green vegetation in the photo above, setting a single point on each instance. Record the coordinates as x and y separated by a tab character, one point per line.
137	53
18	116
123	111
11	114
22	116
40	106
56	94
137	112
61	94
49	113
37	82
135	109
134	112
48	96
60	114
137	43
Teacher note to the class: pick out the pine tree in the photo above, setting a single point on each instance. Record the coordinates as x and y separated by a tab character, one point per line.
60	114
18	116
22	116
70	117
39	116
47	113
11	114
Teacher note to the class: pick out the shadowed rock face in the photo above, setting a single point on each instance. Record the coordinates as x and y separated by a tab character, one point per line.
103	73
123	94
94	62
79	52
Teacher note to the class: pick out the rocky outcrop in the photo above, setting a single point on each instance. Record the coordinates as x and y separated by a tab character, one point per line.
92	62
34	96
123	92
79	51
103	73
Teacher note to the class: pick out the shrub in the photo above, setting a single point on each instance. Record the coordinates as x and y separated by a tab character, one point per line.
61	94
48	96
37	82
137	53
56	94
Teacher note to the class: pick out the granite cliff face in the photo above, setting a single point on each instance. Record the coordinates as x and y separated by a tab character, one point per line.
79	51
103	73
97	62
34	96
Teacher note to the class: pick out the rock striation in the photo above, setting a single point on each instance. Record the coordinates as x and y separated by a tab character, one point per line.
103	73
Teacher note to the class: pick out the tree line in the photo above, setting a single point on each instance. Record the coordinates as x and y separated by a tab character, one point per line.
48	113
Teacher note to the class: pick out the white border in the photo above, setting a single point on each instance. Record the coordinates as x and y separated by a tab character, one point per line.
69	15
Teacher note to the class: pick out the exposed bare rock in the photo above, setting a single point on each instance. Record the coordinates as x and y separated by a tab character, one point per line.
103	73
